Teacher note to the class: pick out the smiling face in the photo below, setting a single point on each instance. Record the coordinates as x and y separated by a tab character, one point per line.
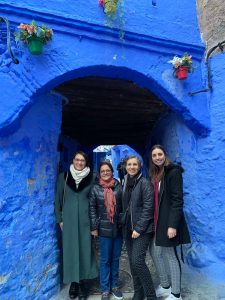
132	166
79	162
105	173
158	157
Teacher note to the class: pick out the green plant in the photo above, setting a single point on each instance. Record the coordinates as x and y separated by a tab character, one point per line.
32	30
184	61
110	8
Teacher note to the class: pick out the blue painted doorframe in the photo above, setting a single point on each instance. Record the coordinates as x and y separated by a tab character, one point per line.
80	48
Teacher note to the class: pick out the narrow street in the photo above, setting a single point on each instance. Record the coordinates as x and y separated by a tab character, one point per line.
194	292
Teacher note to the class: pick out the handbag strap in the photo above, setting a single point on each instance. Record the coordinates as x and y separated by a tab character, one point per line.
64	190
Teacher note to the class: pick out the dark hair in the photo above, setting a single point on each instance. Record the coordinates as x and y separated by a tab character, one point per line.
105	162
84	156
136	157
121	168
155	172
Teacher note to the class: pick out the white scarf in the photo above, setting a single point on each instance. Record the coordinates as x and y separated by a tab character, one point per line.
79	175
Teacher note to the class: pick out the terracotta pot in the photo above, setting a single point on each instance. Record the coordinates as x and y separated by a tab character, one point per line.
35	45
182	73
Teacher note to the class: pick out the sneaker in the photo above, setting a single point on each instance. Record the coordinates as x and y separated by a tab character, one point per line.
105	296
172	297
117	293
162	292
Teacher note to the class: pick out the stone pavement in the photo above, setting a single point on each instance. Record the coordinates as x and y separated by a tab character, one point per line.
197	288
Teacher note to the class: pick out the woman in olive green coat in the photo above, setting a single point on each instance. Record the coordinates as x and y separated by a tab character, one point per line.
71	208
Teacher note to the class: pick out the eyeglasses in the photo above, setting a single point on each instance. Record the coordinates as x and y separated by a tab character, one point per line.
80	160
106	171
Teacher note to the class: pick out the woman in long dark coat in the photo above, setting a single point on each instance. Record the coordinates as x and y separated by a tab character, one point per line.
170	226
71	208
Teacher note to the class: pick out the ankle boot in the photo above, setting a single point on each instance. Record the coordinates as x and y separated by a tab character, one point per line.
73	291
82	294
138	294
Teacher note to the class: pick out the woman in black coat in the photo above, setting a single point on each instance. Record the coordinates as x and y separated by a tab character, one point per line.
169	222
105	206
138	208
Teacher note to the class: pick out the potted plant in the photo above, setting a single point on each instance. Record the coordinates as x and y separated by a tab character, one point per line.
109	7
34	36
182	66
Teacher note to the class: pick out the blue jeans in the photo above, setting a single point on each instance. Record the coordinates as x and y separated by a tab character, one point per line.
110	251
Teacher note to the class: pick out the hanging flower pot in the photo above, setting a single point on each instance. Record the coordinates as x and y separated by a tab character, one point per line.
35	45
182	73
110	7
34	36
182	66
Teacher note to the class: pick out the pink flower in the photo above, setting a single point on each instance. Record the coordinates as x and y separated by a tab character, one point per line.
22	26
31	29
101	2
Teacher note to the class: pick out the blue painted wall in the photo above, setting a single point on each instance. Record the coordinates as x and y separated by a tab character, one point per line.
204	183
28	247
30	120
81	48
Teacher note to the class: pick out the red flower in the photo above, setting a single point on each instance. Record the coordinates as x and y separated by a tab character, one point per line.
101	2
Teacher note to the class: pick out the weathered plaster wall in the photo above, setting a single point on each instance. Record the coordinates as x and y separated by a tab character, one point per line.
83	46
211	20
204	187
80	48
28	247
141	17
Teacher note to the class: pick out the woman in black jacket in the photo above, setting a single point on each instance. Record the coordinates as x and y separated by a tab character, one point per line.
170	226
138	208
105	205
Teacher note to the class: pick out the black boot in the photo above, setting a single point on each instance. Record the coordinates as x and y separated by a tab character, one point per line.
152	296
73	291
82	295
138	294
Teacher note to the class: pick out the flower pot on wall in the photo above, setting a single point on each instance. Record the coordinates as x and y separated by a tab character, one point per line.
110	6
35	45
182	73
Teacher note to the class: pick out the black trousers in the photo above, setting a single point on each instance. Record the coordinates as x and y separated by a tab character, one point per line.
136	250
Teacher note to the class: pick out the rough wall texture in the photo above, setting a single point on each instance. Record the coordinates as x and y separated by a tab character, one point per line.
83	46
204	187
28	247
140	17
211	20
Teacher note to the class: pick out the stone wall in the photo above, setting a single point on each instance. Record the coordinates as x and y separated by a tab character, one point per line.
204	187
30	127
211	20
28	247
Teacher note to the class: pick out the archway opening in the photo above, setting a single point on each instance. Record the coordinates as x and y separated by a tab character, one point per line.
106	111
102	111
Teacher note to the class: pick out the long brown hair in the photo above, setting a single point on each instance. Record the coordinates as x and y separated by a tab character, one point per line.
155	172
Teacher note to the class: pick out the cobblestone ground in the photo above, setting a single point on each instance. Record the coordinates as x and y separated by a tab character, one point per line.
195	291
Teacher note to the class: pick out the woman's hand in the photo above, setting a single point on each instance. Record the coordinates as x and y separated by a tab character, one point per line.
94	232
171	232
61	225
135	234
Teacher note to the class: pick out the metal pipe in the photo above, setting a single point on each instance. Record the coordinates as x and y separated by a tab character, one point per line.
15	60
221	47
